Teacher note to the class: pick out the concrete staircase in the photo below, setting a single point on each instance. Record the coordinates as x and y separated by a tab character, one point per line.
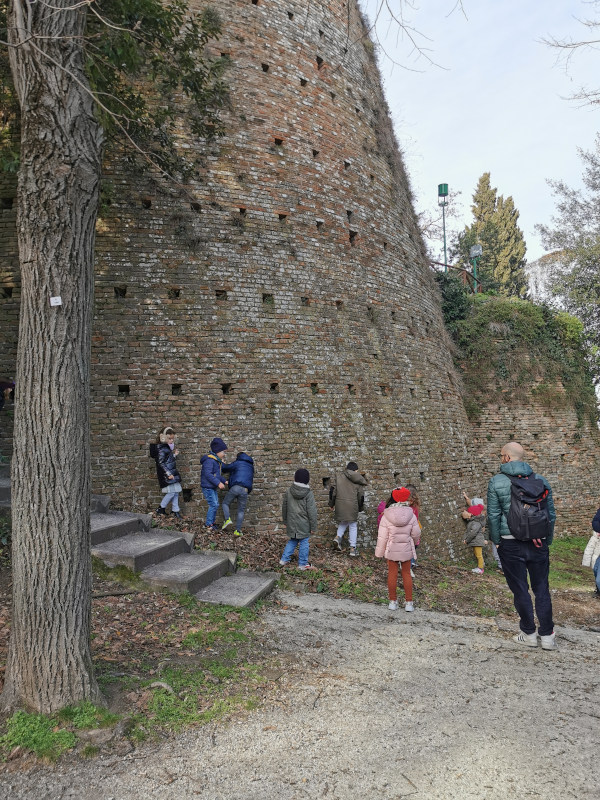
165	559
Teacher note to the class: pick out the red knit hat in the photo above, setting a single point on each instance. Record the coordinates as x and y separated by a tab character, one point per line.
475	510
400	495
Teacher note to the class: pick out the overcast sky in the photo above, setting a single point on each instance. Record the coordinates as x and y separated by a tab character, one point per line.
496	103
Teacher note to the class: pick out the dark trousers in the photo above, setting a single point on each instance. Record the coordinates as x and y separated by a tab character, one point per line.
518	560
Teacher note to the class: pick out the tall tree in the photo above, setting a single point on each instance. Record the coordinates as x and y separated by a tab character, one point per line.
573	236
76	69
495	228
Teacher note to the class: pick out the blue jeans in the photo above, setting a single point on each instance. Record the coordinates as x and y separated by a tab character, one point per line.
597	573
290	547
174	496
242	500
518	560
212	498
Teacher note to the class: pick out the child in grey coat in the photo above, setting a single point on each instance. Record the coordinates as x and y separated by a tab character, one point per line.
474	516
299	512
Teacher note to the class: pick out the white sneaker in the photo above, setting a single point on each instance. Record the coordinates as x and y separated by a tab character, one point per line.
548	642
393	606
477	571
412	574
528	639
409	606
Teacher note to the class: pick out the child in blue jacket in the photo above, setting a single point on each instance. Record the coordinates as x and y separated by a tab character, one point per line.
241	477
210	479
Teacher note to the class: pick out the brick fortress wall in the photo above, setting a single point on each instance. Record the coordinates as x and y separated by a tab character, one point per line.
284	302
558	445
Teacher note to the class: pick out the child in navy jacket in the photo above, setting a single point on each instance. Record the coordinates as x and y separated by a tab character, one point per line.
241	477
210	479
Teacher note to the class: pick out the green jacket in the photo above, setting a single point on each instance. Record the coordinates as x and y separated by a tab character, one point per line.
299	511
498	499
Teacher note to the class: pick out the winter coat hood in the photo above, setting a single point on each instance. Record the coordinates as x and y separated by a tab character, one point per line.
299	491
514	468
399	514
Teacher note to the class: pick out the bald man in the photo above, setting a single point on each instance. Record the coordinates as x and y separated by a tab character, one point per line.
522	558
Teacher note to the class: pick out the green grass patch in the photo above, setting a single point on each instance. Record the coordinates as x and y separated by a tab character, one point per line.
119	574
222	624
87	715
566	571
37	734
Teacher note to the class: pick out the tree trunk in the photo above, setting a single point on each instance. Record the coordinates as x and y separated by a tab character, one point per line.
49	663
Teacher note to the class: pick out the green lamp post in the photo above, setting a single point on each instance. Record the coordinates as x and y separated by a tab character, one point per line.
443	202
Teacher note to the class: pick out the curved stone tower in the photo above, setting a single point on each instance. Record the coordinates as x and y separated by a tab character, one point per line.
285	302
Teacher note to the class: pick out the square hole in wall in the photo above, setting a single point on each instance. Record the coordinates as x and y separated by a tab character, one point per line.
290	14
305	301
315	153
147	201
264	67
243	211
227	388
326	482
123	390
278	141
177	388
352	237
319	224
173	293
412	392
303	81
221	295
314	387
274	387
332	94
188	495
268	299
385	245
422	476
385	390
282	217
7	292
319	62
351	388
120	290
6	203
346	165
196	207
339	304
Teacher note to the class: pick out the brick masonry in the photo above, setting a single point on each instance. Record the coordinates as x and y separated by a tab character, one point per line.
282	301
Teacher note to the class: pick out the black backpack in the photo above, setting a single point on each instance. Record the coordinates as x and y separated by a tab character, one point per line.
528	516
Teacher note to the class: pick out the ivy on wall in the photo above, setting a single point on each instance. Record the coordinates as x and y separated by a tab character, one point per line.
510	351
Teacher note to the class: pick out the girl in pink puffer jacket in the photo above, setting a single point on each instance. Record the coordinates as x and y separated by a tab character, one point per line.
398	532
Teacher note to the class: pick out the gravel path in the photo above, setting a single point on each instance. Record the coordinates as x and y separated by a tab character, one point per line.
377	705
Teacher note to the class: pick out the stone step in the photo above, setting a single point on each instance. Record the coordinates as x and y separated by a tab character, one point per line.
140	550
114	524
188	572
99	503
241	589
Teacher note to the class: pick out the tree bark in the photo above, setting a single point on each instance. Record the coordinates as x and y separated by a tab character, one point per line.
49	663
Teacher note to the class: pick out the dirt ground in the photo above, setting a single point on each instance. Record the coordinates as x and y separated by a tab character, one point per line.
375	705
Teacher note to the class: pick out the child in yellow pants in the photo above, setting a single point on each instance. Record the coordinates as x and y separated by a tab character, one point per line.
474	516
